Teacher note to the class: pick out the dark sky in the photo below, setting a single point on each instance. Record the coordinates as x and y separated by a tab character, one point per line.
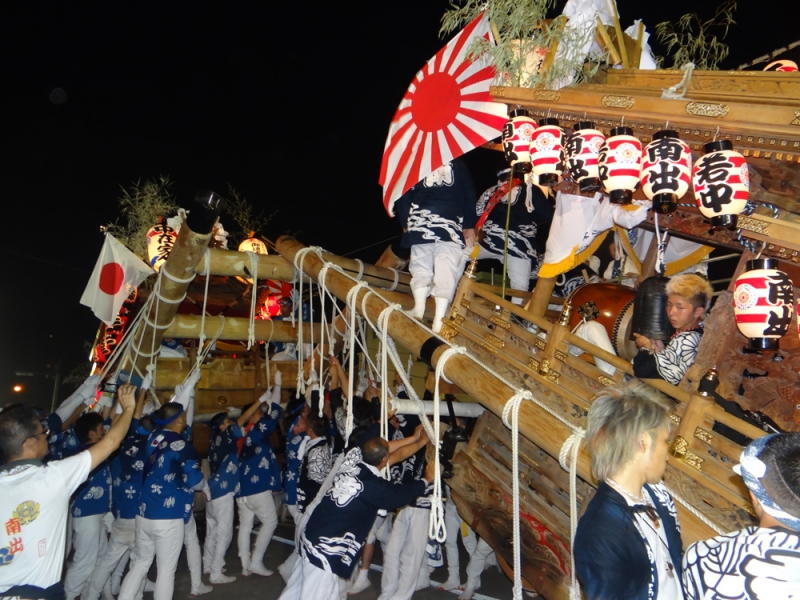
289	102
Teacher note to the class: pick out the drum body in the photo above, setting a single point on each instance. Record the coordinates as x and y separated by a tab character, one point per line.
612	307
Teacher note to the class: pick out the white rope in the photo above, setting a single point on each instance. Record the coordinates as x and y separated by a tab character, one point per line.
251	330
360	268
571	447
177	279
202	338
266	352
713	526
383	327
396	279
299	262
436	526
672	93
352	298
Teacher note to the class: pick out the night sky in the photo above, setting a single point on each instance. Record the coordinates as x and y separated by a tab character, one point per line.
288	102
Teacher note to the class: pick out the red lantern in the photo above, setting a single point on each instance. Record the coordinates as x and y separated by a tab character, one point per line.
272	307
721	184
763	302
546	151
666	170
582	150
620	165
517	134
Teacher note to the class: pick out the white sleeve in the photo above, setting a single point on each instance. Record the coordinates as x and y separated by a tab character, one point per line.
73	471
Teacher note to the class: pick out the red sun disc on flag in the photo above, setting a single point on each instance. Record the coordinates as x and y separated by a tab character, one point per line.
446	112
111	278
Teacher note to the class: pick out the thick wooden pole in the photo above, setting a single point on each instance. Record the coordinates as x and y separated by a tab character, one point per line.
537	425
188	327
540	298
193	239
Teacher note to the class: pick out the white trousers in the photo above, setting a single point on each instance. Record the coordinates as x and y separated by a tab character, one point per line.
121	540
89	542
262	506
519	270
593	332
193	555
405	557
453	523
159	539
439	265
219	533
310	583
477	561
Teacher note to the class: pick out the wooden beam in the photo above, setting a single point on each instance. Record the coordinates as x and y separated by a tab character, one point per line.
188	327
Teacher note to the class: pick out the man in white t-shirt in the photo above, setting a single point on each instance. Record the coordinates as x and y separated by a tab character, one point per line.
34	499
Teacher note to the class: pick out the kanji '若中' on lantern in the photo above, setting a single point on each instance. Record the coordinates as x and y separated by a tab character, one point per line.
763	303
620	164
517	134
546	149
721	184
582	148
666	170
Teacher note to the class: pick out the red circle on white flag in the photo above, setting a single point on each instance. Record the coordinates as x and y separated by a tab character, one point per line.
436	102
111	278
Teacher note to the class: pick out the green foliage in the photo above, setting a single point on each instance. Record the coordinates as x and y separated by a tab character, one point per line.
244	215
520	29
141	205
693	40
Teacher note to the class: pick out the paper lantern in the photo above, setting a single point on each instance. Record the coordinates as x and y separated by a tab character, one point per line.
782	66
271	307
620	165
252	244
582	149
763	302
160	240
517	135
666	170
721	184
546	151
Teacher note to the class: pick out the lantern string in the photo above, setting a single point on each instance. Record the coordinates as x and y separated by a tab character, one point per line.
716	133
661	246
763	246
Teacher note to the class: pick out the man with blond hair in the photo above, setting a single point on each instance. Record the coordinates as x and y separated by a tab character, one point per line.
628	543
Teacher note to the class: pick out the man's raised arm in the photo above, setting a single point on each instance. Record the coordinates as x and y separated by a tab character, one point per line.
111	440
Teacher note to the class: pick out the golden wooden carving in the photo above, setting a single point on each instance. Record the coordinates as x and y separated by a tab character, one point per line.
553	376
448	332
533	364
489	347
453	311
796	118
693	460
459	319
676	420
607	381
679	447
547	95
544	367
618	101
465	303
707	109
540	344
494	340
501	323
703	435
562	356
754	225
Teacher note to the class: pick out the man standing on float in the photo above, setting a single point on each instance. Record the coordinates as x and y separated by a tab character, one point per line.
437	215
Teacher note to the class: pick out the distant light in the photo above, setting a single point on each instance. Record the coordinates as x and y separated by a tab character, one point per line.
17	388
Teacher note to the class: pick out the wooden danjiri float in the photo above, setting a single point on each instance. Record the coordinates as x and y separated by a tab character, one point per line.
510	347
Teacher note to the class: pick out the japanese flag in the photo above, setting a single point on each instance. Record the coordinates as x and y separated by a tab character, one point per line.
117	272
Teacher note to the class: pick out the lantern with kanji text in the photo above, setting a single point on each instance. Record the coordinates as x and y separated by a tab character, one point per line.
620	164
253	244
517	135
721	184
160	240
582	149
546	151
763	303
666	170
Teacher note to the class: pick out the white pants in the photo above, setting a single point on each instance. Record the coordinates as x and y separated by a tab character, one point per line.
161	539
89	541
310	583
453	523
405	557
519	270
477	561
439	265
121	540
193	556
219	533
262	506
593	332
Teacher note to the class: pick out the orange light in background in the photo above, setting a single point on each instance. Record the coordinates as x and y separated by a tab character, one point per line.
17	388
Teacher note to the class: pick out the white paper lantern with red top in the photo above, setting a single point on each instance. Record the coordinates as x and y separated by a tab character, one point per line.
582	149
517	135
721	184
546	151
160	240
252	244
666	170
763	303
620	164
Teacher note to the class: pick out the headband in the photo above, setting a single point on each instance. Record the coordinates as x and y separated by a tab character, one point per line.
753	469
164	422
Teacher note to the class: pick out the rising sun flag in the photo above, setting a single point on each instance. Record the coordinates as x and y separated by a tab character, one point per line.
446	112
